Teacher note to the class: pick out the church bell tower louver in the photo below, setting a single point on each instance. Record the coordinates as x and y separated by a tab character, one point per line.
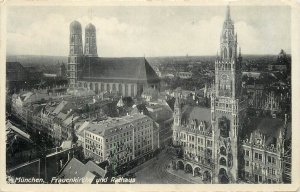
226	106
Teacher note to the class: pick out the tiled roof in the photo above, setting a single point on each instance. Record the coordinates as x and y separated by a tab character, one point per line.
161	115
59	107
127	68
190	113
75	169
94	168
269	127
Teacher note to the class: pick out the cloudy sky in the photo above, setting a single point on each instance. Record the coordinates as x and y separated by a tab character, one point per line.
148	31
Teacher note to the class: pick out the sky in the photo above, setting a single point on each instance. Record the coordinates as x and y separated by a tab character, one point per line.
137	31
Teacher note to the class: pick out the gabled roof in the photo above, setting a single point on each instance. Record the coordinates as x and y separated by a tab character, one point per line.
269	127
94	168
76	169
126	68
59	107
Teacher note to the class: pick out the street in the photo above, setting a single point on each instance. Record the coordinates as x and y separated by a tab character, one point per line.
154	171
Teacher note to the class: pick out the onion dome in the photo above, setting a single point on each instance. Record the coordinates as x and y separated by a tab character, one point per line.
90	28
75	27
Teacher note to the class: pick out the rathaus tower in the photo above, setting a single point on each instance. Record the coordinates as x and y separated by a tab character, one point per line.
226	106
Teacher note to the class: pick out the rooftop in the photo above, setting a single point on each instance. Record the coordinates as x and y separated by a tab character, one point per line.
196	113
269	128
112	125
127	68
75	169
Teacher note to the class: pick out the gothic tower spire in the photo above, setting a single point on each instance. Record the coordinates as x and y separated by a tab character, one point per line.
225	105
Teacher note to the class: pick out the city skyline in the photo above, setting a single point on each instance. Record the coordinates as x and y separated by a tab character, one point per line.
122	120
148	31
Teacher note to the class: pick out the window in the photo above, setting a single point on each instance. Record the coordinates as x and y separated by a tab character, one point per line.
247	153
269	159
256	155
247	163
260	157
273	160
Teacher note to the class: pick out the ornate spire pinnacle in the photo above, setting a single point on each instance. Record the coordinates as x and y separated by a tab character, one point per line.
176	102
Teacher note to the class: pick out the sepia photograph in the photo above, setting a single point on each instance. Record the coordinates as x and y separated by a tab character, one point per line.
110	94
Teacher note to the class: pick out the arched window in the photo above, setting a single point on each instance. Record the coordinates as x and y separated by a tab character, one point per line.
222	161
180	165
132	90
188	168
230	52
223	177
223	151
96	88
114	87
126	90
107	87
120	88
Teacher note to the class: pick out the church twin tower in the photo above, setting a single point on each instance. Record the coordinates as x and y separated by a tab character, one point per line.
76	52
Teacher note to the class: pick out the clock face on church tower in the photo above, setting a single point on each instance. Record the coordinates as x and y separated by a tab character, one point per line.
224	77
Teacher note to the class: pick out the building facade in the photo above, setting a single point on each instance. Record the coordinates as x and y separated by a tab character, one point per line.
220	144
121	139
264	152
126	76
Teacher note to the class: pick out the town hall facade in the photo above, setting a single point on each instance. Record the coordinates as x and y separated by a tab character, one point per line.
216	144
